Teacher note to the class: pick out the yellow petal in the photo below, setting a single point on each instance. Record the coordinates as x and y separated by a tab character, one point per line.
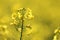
19	15
19	29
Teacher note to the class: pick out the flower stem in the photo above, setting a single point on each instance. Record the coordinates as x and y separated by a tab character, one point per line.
22	29
23	11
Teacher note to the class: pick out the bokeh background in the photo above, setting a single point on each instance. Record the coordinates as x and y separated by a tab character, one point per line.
46	18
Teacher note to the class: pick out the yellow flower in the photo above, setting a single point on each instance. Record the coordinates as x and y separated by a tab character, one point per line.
14	15
55	37
56	30
19	29
30	17
19	15
28	31
15	22
29	14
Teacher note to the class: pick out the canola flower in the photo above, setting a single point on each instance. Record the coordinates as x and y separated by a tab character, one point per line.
19	29
57	34
19	15
3	26
3	29
22	15
14	15
27	15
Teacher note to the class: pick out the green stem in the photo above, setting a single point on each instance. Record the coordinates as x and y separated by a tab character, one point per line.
21	38
22	12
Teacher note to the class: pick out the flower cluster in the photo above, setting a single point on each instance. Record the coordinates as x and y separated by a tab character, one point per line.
28	14
57	34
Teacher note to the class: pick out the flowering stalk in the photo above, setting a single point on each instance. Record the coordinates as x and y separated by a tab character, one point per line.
22	19
23	13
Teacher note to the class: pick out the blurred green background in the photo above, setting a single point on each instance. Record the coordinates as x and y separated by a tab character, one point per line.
46	18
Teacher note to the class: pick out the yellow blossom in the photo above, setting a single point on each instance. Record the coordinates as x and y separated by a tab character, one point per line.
28	31
55	30
55	37
14	15
19	15
19	29
29	14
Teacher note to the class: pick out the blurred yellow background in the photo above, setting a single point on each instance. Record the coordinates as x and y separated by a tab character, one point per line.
46	18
